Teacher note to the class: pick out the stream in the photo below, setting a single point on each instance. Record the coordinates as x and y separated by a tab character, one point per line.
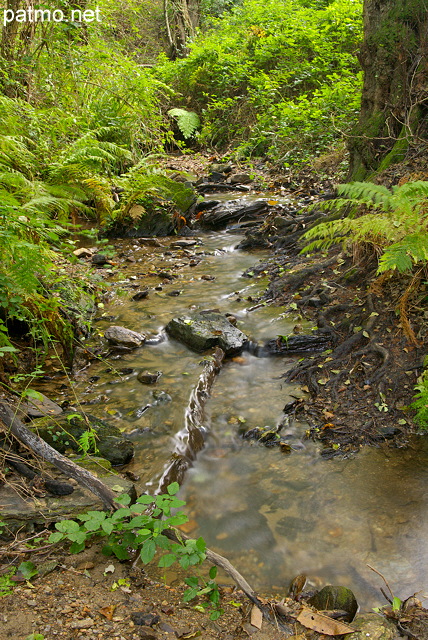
274	515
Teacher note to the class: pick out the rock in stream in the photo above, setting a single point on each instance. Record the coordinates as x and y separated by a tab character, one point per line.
207	329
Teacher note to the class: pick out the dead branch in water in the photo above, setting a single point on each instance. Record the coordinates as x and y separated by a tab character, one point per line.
190	440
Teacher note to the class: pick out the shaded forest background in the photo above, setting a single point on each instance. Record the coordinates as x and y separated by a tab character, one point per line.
335	87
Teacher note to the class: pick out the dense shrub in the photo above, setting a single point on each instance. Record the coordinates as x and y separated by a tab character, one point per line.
274	77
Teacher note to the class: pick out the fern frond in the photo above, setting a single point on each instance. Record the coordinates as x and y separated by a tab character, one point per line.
397	223
187	121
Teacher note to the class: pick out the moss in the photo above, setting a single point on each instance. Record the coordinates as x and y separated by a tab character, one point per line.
396	154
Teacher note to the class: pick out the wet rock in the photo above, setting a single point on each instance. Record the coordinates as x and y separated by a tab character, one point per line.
140	295
161	397
184	244
64	434
240	178
202	331
331	597
372	626
99	260
207	277
174	293
39	407
147	377
124	337
149	242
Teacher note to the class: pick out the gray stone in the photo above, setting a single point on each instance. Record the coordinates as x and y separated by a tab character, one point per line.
147	377
205	330
84	252
240	178
221	167
17	511
124	337
184	244
39	407
372	627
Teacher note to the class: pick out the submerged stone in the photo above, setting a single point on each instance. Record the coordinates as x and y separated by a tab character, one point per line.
205	330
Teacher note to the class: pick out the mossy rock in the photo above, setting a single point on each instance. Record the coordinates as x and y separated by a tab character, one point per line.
331	597
64	433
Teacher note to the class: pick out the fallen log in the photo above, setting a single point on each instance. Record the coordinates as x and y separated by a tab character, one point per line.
43	450
221	215
191	440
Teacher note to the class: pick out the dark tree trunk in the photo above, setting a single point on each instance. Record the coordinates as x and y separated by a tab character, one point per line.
394	106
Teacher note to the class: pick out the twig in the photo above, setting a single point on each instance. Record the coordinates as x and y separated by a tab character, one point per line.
384	579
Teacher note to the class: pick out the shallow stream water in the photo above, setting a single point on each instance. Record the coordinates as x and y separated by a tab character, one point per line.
273	515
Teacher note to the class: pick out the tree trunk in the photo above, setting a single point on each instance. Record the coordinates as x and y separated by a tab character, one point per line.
395	92
181	20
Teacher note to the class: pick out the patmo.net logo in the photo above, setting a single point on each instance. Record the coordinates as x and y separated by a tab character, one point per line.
30	14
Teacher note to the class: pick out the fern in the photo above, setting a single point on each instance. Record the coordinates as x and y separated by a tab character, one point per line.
188	122
420	403
396	223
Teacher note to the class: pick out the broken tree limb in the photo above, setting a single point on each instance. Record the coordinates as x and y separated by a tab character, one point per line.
190	440
48	453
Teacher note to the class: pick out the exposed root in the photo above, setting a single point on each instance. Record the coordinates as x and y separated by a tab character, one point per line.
403	309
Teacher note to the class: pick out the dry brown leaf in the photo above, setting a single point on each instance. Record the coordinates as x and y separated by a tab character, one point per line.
256	617
108	611
322	624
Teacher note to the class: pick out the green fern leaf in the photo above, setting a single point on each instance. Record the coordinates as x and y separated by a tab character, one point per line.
187	121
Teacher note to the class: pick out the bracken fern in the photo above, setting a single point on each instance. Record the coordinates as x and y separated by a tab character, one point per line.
395	223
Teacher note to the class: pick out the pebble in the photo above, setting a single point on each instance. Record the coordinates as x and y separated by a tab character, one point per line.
86	623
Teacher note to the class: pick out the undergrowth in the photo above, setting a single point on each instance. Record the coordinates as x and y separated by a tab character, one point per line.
274	78
139	529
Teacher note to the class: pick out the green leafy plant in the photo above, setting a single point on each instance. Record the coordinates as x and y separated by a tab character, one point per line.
26	569
132	527
6	583
274	78
420	404
187	121
395	225
209	589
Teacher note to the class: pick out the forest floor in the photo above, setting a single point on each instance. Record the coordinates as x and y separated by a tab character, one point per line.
358	393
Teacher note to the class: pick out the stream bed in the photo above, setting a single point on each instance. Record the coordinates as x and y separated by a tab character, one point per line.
274	515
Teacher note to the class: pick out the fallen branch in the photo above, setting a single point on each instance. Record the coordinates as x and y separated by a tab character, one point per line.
191	440
48	453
